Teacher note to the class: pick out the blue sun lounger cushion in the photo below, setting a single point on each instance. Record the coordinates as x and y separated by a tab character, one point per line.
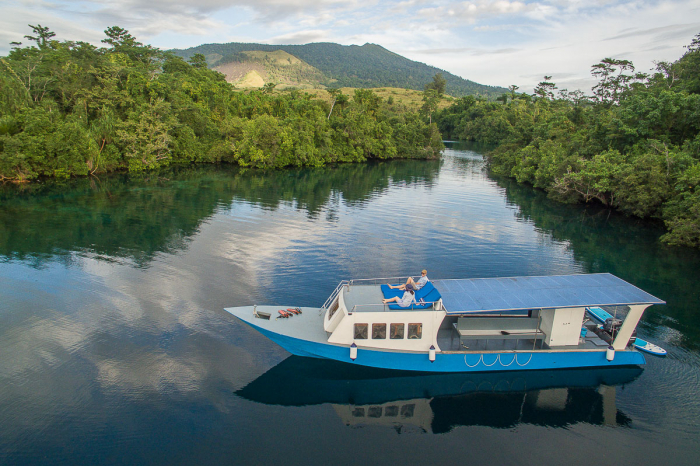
389	293
429	298
422	293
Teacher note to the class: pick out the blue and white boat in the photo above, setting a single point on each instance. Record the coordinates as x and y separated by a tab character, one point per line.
465	325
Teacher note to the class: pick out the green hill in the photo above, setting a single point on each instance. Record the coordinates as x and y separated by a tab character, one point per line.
365	66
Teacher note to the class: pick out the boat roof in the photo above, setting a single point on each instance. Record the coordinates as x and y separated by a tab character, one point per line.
476	295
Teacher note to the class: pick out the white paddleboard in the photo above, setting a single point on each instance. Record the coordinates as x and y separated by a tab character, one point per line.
643	345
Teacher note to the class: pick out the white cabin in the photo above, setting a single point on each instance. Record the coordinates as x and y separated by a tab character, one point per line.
508	313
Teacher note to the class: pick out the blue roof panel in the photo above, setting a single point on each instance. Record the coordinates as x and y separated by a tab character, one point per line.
523	293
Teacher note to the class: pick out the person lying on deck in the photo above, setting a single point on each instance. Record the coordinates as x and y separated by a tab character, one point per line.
406	300
416	285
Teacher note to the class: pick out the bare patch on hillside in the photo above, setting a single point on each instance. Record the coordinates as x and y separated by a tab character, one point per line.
252	79
278	57
237	71
278	67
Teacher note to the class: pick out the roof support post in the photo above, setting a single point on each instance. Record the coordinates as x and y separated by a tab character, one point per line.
628	326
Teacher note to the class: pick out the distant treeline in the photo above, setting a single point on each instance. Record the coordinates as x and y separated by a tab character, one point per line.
365	66
634	145
70	108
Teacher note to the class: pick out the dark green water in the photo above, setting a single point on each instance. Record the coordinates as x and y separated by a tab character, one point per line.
115	348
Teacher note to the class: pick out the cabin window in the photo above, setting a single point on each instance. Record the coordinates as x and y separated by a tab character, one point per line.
391	411
396	331
379	331
415	331
361	331
374	411
334	307
407	410
358	412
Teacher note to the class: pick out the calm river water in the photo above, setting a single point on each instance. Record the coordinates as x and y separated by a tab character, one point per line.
114	348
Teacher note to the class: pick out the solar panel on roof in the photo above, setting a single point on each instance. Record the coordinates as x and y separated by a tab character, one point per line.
523	293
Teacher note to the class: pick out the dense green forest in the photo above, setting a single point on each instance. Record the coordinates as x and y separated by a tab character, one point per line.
70	108
633	145
364	66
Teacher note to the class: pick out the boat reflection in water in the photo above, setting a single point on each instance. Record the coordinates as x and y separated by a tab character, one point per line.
437	403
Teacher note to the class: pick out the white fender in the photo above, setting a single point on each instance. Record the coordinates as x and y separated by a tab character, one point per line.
431	353
610	353
353	351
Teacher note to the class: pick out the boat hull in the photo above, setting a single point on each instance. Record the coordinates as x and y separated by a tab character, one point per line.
453	361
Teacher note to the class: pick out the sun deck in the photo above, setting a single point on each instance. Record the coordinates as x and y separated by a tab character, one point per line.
367	298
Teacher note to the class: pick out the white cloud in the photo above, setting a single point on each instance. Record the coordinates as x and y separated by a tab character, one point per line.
493	42
302	37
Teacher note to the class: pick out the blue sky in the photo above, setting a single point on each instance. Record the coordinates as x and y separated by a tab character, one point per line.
491	42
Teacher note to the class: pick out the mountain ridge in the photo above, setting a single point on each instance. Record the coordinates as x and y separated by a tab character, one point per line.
366	66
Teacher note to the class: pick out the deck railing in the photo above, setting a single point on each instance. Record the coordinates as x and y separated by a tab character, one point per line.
381	280
385	307
363	281
358	281
331	299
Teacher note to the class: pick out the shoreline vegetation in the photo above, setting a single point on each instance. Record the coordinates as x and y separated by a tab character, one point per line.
73	109
634	145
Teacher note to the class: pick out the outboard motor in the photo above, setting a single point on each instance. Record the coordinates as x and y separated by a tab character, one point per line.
613	325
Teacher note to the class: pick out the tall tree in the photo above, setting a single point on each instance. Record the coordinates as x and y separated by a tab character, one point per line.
438	84
613	80
120	38
122	41
430	103
337	97
546	88
512	88
198	60
690	66
42	36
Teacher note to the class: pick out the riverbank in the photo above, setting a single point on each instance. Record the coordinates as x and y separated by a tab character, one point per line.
633	146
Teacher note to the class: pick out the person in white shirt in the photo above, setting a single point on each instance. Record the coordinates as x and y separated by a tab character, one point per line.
406	300
416	285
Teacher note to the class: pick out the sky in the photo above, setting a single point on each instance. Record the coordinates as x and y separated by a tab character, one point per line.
491	42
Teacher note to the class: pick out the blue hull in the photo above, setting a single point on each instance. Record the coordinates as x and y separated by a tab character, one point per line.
455	362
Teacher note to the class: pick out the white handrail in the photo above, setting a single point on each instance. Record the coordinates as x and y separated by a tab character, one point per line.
354	308
382	279
349	283
333	295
